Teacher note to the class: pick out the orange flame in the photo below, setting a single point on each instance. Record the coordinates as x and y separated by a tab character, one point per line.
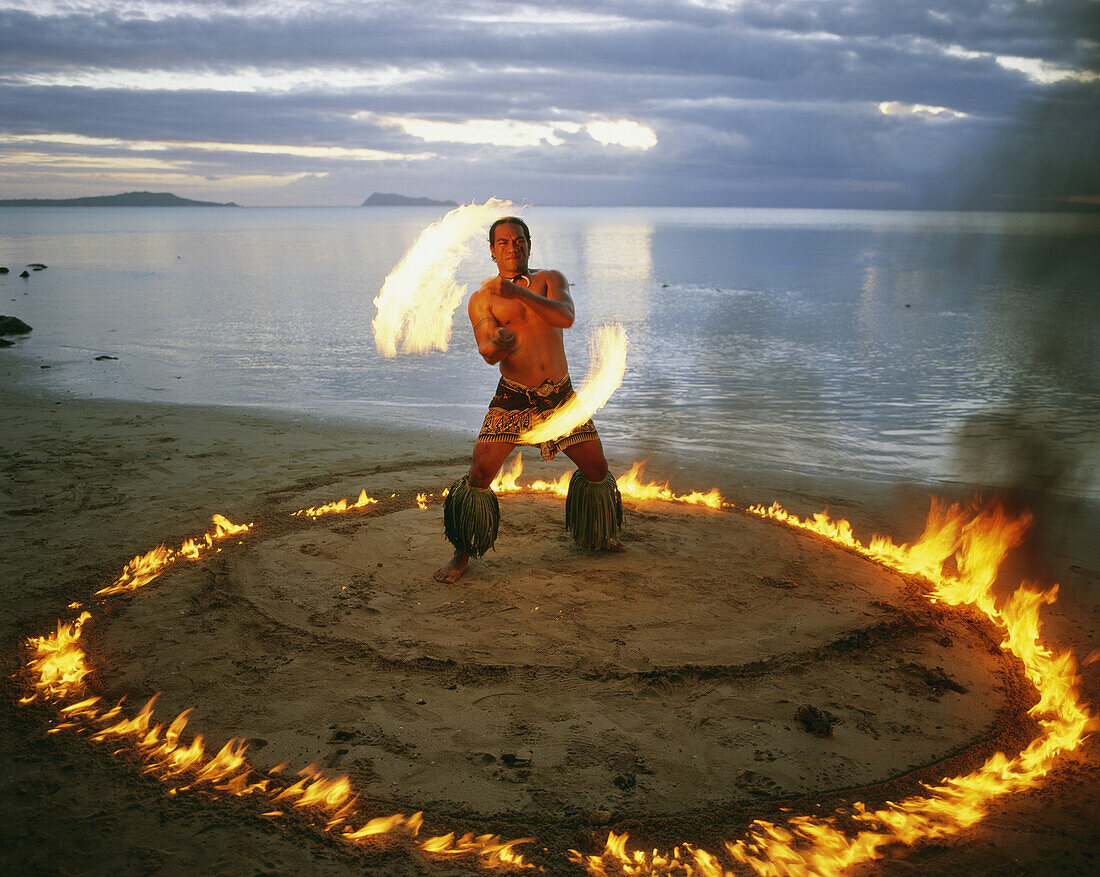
632	486
488	847
338	507
146	567
959	555
558	488
505	482
508	482
387	824
60	664
977	541
165	755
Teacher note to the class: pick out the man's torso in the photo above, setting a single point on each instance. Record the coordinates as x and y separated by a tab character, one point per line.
539	354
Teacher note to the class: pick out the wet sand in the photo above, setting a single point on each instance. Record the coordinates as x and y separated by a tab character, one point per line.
551	692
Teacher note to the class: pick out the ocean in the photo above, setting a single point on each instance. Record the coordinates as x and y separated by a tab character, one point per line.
908	346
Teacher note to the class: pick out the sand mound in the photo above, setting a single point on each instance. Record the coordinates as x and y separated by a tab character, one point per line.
723	661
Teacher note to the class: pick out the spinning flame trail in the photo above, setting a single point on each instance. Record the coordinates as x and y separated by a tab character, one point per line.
418	299
608	350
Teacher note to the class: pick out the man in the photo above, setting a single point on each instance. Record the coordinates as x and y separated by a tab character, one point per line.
518	319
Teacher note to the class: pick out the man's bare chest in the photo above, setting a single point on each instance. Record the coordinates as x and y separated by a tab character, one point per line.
509	312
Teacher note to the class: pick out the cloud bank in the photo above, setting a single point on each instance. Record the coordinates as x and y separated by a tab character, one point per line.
695	102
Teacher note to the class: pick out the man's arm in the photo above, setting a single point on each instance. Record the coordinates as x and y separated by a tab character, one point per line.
493	342
556	307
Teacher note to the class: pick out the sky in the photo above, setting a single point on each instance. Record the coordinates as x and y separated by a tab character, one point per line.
986	104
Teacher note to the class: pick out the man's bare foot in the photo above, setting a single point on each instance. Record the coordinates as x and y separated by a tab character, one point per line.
452	571
614	545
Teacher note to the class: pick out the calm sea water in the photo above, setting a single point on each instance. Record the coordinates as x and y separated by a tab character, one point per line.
928	347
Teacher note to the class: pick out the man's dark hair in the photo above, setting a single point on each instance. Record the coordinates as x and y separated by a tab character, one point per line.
512	220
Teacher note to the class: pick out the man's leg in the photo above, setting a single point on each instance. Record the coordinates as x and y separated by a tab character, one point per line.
590	460
487	460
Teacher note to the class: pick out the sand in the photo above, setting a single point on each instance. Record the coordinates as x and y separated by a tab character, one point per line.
551	693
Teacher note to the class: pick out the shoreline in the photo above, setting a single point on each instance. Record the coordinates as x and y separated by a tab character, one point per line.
91	482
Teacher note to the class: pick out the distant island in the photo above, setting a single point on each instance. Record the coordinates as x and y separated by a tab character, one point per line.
385	199
127	199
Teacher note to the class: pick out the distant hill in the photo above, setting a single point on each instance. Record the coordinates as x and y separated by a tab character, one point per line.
385	199
127	199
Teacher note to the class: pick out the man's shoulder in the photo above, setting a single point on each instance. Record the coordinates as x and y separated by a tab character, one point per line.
479	299
549	276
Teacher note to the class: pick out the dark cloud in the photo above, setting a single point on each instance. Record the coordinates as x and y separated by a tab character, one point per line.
759	100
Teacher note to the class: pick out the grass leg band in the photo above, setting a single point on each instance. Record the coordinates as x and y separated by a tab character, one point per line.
593	511
471	517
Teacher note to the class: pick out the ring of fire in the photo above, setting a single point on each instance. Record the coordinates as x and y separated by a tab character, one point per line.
809	845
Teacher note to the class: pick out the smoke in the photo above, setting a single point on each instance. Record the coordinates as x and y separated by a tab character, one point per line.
1042	443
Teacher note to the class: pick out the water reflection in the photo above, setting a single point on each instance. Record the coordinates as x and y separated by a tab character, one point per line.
619	270
813	341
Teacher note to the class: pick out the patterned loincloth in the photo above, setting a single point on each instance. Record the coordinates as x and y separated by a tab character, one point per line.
516	409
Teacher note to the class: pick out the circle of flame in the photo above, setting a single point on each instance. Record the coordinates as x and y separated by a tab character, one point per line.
975	541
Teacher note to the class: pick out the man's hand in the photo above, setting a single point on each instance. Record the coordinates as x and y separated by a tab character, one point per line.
505	339
501	287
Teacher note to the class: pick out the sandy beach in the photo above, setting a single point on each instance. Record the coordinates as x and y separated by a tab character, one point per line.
551	693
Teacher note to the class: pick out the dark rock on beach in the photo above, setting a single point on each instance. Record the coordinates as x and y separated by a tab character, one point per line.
3	270
937	679
13	326
818	722
25	274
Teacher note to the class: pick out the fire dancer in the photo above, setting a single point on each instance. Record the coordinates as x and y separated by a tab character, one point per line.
518	319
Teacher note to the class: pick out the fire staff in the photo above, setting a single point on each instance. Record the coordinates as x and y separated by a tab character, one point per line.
519	317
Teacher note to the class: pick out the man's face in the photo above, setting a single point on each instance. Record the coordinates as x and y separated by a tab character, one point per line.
510	249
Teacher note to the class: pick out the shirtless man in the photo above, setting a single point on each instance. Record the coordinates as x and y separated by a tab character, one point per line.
518	319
